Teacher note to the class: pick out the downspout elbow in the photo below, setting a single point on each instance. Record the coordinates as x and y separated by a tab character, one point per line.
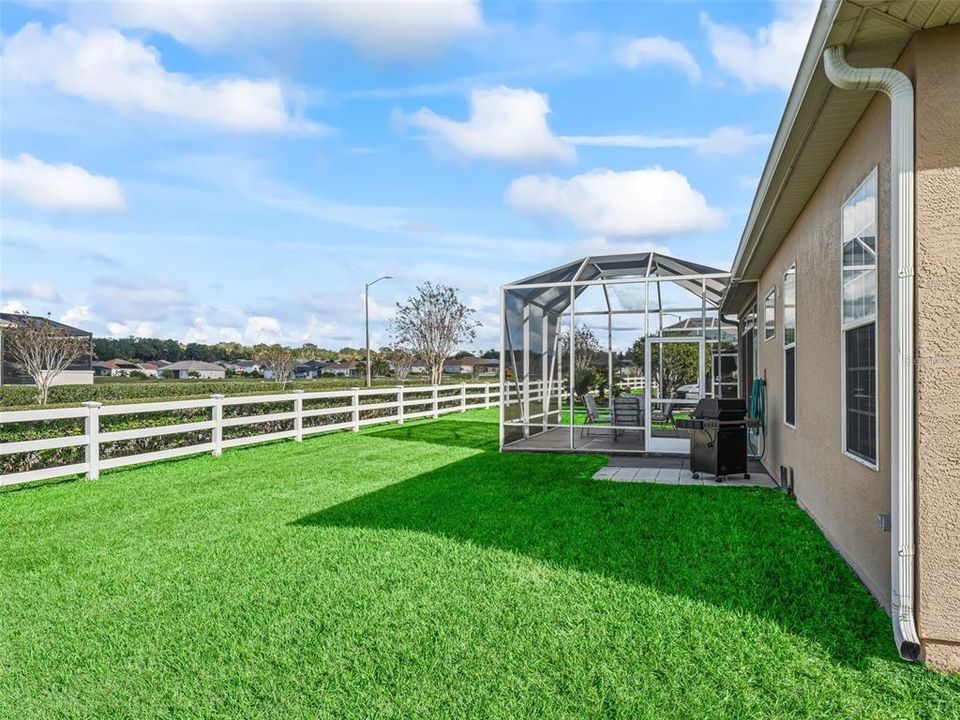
890	81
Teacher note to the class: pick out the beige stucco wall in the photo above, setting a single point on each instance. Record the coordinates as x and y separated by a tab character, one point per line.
74	377
936	63
841	494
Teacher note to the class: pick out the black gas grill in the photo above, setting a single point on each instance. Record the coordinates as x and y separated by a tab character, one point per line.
718	441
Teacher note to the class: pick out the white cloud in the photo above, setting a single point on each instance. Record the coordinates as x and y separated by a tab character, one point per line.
645	202
731	141
656	51
105	67
138	300
388	28
505	124
202	331
41	291
599	245
772	55
58	187
643	142
378	311
131	327
77	315
721	141
13	306
261	329
269	330
333	335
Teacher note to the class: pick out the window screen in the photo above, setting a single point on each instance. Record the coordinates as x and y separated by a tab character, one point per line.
790	386
770	315
790	346
861	392
790	306
859	254
858	319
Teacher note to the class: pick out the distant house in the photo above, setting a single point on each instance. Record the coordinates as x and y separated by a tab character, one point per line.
471	366
309	369
242	367
691	327
152	368
195	369
115	368
78	373
343	369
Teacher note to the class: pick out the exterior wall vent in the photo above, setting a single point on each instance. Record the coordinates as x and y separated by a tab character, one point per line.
786	479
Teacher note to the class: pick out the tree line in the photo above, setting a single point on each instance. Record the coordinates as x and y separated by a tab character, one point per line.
427	328
140	349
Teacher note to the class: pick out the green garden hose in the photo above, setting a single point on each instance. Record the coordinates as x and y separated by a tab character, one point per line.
758	411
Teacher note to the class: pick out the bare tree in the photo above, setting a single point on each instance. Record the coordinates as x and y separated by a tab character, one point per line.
43	350
279	360
586	346
400	358
432	323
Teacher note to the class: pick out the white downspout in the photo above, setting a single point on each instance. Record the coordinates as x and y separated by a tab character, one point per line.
899	89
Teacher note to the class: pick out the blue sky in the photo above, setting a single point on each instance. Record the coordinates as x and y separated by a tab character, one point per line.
208	171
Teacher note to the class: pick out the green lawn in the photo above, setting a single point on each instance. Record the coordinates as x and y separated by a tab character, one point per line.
414	572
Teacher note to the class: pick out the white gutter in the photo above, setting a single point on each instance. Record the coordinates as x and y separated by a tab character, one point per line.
899	89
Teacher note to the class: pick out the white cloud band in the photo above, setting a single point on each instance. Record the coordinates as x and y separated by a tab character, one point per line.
641	203
58	187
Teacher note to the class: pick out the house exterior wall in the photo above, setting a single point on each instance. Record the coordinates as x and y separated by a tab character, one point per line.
74	377
201	374
843	495
936	59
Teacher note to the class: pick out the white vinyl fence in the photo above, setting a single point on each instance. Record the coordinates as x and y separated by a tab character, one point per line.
402	402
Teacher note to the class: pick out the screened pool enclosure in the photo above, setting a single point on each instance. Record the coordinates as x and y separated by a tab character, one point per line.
649	343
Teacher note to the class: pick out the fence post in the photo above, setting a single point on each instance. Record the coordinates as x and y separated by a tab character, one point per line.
436	404
399	404
356	409
298	417
463	397
217	425
91	426
486	395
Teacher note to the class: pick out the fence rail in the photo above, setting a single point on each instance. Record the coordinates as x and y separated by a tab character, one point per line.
402	403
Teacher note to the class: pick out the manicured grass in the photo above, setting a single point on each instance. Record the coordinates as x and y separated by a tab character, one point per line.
415	572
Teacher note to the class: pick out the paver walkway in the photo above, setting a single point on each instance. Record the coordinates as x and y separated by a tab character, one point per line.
674	471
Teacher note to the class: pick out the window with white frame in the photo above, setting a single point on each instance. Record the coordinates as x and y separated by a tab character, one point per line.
859	321
770	315
790	346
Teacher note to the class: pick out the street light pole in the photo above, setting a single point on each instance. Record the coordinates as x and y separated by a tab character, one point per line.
366	314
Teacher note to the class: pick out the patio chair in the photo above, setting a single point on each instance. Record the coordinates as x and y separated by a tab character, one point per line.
627	411
664	416
594	416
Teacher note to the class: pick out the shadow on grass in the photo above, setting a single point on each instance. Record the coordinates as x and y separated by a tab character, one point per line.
456	433
744	550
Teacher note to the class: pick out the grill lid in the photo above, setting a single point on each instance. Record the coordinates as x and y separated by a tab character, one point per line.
720	409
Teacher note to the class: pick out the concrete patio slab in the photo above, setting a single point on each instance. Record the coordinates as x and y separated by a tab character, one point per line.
647	474
674	471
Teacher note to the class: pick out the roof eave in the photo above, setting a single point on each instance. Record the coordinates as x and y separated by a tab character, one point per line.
816	44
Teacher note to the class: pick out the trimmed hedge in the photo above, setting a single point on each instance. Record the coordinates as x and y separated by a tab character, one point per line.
113	392
21	462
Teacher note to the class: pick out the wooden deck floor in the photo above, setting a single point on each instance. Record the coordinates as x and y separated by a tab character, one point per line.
585	439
